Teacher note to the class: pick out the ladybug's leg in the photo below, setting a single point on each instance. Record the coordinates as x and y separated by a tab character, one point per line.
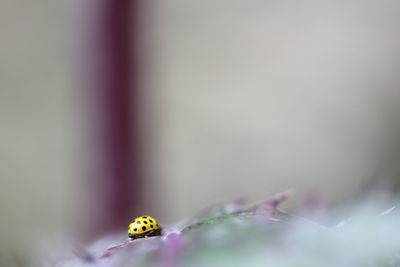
154	232
149	233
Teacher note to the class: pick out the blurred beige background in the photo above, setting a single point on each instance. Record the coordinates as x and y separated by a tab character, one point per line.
255	97
36	132
244	98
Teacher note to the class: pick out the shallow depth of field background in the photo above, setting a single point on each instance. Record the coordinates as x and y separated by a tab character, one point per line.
239	98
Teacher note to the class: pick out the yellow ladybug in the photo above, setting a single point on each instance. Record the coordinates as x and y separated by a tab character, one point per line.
144	226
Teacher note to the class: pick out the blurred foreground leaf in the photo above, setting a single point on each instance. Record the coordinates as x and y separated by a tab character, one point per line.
258	235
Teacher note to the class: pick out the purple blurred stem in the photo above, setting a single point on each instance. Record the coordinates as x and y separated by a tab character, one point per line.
111	92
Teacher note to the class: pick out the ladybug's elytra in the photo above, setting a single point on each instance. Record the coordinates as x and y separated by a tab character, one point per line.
144	226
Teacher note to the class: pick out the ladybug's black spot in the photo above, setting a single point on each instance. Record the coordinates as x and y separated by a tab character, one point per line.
152	226
135	229
145	222
138	222
144	217
151	220
144	228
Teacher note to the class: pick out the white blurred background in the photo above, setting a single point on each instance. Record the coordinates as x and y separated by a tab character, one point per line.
242	98
255	97
36	134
